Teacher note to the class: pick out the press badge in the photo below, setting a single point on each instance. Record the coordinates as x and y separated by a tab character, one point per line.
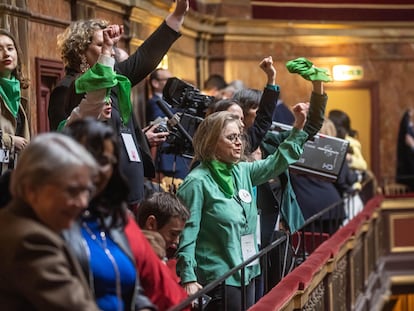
131	148
4	155
248	245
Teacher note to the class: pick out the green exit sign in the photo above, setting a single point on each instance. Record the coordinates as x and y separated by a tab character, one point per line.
347	73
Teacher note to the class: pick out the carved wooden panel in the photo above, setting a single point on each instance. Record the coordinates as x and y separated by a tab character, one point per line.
340	285
48	73
357	271
316	299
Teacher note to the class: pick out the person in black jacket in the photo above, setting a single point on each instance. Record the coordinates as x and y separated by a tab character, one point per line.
405	150
280	210
315	194
80	47
262	104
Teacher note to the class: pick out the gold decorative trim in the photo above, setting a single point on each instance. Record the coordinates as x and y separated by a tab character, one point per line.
402	279
392	204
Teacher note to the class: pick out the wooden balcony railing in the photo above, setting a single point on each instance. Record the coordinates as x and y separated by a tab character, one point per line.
332	269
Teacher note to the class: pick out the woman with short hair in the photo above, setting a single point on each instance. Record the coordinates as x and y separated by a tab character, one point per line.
51	185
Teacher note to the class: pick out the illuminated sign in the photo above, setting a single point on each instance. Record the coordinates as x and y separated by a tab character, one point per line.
347	73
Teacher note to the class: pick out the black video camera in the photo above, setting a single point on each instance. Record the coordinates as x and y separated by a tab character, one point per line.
190	105
185	97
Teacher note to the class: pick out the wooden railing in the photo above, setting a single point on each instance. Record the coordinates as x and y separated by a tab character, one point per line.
304	242
359	267
356	268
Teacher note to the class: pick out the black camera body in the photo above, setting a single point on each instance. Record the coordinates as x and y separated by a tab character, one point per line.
186	97
190	105
161	128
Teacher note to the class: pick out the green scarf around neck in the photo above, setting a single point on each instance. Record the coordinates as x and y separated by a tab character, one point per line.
99	77
10	92
222	175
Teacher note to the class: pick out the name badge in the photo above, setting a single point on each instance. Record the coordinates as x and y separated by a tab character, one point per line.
248	245
4	155
245	196
130	147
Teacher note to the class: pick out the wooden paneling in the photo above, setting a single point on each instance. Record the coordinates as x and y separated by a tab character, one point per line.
401	237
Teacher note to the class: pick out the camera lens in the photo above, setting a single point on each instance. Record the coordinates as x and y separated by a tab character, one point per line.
161	128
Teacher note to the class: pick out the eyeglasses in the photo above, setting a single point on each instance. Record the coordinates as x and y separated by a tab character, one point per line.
234	137
74	191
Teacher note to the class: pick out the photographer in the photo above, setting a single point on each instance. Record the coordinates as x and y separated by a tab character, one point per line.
167	162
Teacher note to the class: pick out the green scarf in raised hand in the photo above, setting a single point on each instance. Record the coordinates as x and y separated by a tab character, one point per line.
306	69
222	175
10	92
100	77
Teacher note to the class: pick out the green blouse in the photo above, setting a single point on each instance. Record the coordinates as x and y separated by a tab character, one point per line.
210	244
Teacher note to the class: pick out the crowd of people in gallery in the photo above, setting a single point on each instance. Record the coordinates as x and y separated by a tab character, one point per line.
85	223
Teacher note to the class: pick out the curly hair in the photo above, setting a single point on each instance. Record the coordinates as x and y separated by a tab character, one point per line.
75	40
18	72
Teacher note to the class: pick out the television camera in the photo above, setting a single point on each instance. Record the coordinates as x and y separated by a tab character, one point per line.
189	106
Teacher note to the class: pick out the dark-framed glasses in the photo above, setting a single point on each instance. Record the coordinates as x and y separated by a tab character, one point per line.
233	138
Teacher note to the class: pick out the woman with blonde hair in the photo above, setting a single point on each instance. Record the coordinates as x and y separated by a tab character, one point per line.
219	195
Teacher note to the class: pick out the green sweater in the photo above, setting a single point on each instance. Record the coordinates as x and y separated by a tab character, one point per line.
210	244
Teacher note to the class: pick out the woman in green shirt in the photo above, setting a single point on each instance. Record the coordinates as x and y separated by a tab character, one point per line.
221	231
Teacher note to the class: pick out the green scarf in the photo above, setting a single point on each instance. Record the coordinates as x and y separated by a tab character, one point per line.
101	76
10	92
222	175
306	69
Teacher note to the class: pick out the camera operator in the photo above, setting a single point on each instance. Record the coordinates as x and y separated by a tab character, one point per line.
157	80
166	163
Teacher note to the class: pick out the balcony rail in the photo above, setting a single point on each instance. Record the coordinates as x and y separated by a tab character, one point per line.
301	243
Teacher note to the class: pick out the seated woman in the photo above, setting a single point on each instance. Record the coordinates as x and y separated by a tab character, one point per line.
218	193
98	238
51	185
109	218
